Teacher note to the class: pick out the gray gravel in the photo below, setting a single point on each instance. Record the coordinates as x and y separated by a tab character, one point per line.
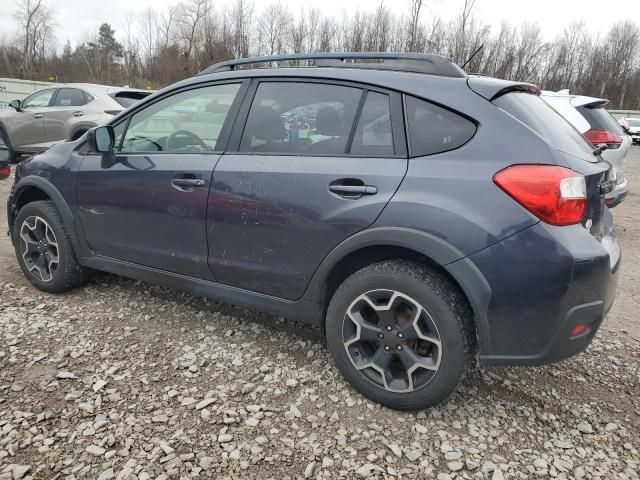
125	380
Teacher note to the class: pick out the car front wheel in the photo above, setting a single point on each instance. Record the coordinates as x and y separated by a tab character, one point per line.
401	333
44	249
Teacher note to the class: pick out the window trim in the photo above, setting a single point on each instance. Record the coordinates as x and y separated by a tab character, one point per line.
223	137
395	105
444	107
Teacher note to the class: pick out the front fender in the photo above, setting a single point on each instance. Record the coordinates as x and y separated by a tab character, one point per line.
32	181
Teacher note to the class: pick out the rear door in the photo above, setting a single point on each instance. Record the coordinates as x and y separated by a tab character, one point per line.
67	104
310	163
27	130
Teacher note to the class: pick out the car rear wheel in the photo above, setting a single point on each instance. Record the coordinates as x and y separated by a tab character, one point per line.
401	334
44	249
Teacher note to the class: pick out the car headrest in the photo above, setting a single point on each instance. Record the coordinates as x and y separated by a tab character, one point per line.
265	124
328	122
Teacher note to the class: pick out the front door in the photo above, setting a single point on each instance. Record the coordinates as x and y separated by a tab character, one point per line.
148	204
315	163
28	125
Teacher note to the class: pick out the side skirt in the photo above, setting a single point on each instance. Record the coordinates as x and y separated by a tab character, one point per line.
299	310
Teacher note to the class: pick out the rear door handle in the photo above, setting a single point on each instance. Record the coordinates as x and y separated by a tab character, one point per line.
37	115
78	114
351	188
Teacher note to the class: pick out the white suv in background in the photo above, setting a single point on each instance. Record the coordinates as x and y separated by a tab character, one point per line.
588	116
634	128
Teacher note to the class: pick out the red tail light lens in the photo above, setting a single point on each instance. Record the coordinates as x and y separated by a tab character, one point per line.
5	172
555	195
602	136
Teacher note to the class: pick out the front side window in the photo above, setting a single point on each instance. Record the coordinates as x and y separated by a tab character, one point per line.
186	122
433	129
70	97
38	99
300	118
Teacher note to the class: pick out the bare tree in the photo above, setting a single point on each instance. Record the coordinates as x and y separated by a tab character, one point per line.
271	29
35	20
414	20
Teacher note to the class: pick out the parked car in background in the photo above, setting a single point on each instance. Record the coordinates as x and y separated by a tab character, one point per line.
401	222
61	113
633	128
589	117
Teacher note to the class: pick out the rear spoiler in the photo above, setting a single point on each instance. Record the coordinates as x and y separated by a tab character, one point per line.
492	88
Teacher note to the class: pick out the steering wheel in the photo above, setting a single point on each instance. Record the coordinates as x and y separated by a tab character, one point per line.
168	143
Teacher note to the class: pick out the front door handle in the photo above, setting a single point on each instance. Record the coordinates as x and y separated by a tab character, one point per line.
187	181
351	188
37	115
78	114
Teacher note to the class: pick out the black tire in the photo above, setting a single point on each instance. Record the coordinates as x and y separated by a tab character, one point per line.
68	273
4	140
448	311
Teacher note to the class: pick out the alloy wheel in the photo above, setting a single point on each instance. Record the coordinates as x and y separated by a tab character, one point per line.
39	248
392	340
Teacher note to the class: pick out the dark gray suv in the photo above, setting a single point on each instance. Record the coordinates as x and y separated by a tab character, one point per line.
423	218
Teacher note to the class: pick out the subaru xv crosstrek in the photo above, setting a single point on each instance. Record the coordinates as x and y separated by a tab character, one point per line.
426	220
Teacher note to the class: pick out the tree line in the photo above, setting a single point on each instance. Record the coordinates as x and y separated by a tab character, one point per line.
154	48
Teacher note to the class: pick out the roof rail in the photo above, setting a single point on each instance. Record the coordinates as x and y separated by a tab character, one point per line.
403	62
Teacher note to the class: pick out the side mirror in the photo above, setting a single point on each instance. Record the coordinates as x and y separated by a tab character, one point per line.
101	139
15	104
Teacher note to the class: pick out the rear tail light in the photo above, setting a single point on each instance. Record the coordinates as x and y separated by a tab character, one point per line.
112	112
5	172
579	330
555	195
597	137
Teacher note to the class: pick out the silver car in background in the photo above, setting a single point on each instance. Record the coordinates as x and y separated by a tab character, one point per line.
60	113
589	117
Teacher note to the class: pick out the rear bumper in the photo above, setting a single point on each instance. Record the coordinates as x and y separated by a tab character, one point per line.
555	279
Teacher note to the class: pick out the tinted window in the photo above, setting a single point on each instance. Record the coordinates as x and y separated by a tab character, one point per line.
311	118
185	122
545	121
126	99
374	135
600	119
38	99
70	97
434	129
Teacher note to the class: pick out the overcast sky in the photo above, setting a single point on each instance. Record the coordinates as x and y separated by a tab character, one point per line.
76	19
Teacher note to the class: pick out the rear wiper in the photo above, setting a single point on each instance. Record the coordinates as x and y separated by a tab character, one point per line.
599	149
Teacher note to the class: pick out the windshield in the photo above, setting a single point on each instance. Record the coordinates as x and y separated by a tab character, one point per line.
600	119
633	122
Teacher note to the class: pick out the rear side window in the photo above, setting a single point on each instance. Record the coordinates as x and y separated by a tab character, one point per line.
70	97
600	119
374	135
434	129
545	121
126	99
300	118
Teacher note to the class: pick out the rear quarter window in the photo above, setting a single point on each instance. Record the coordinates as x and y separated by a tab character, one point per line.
433	129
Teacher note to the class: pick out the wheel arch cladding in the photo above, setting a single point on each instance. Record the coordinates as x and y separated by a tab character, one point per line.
33	188
379	244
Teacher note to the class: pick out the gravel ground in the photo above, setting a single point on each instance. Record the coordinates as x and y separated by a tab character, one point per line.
126	380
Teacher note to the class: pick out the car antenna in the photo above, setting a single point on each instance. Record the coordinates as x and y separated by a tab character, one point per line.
472	55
